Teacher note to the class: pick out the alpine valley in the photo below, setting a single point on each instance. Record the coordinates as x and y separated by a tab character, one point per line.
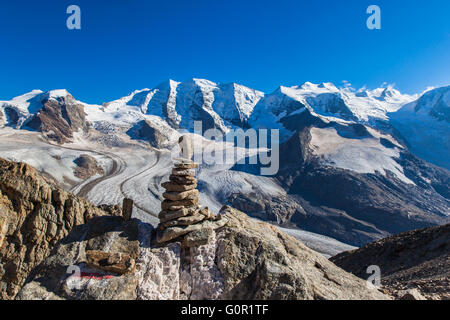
356	166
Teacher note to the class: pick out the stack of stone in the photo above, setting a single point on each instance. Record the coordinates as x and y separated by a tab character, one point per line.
180	207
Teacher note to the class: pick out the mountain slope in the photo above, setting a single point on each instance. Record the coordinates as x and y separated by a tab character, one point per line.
352	183
415	259
425	124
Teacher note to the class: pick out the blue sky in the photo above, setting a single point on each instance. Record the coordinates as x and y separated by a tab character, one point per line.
132	44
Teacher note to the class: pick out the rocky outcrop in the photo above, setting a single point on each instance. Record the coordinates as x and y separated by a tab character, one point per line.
34	215
242	259
59	118
156	134
415	260
86	167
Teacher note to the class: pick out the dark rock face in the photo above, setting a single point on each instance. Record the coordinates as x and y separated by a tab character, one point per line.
332	103
87	166
59	118
34	215
12	118
351	207
418	259
144	130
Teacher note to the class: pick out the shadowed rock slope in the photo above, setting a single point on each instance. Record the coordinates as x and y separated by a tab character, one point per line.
242	259
418	259
34	215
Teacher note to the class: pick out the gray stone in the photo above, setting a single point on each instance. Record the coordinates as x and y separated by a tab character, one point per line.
165	216
411	294
175	196
127	209
184	166
116	262
176	205
171	233
198	238
183	173
176	187
183	221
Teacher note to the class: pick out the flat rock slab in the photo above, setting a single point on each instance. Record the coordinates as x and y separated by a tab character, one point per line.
116	262
184	166
176	205
165	216
183	173
171	233
198	238
183	160
175	187
182	179
175	196
183	221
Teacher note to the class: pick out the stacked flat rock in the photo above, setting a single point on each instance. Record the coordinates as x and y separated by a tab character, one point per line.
180	207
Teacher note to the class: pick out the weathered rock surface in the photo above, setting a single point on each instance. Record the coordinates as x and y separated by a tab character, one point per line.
418	259
242	259
171	215
66	275
171	233
198	238
148	131
183	173
411	294
172	205
34	215
116	262
352	207
59	118
187	180
173	187
183	221
174	196
185	166
87	166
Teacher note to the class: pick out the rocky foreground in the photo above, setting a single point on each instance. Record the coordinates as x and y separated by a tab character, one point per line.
34	215
54	245
417	260
242	259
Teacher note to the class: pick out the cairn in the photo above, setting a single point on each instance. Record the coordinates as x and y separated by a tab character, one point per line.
180	211
180	207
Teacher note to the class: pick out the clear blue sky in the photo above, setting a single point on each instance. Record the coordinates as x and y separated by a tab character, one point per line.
132	44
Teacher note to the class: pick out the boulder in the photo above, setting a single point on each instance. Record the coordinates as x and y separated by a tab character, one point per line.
411	294
198	238
171	233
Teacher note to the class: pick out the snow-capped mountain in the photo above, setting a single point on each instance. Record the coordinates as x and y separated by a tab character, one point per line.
221	106
425	124
346	170
227	105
